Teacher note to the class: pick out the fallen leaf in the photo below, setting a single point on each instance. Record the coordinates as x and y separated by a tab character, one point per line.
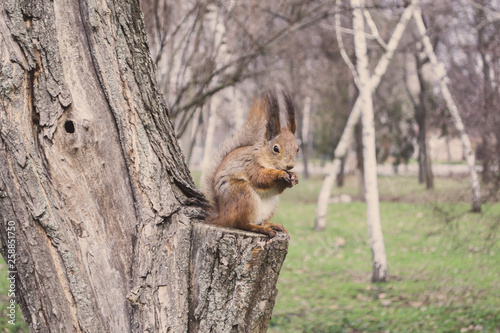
385	302
340	241
361	297
415	304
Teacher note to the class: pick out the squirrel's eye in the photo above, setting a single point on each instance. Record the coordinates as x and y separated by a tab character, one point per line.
276	149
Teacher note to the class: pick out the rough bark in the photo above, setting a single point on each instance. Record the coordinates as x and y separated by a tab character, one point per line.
91	173
234	275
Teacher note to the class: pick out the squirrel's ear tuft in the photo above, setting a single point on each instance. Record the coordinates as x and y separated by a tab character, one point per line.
290	113
272	108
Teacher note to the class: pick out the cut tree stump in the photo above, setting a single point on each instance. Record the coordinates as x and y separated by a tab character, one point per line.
233	279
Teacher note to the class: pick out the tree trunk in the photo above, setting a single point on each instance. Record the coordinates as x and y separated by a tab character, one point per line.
358	136
94	183
425	174
354	116
490	152
208	147
234	277
369	154
421	111
304	144
193	134
422	120
341	175
442	79
215	25
238	107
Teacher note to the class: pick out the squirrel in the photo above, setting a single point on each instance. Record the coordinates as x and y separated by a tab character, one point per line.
252	168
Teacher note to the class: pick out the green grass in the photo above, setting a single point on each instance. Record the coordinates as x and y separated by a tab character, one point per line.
444	263
9	324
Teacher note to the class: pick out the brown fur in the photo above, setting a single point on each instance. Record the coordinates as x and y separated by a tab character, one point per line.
254	170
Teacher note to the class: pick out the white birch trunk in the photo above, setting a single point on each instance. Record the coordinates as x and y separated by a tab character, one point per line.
345	140
238	108
216	25
193	134
306	119
209	139
306	123
370	161
442	79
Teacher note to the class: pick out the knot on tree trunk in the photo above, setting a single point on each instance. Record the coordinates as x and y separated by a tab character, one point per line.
233	279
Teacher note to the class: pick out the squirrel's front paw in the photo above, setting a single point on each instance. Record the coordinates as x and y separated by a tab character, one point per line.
290	178
287	179
294	179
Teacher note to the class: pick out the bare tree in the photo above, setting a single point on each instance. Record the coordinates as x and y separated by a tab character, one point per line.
199	63
369	155
442	80
486	21
354	117
423	105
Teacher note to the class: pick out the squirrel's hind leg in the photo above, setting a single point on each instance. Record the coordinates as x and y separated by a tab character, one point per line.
261	229
277	227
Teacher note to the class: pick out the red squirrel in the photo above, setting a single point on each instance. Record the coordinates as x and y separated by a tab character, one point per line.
252	168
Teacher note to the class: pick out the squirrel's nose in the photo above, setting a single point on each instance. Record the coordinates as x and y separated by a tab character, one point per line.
290	166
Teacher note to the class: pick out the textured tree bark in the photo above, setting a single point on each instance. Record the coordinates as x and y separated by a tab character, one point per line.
234	275
91	174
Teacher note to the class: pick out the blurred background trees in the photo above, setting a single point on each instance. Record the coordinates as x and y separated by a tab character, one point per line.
217	55
213	57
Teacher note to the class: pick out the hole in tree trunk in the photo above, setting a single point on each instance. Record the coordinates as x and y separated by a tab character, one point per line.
69	126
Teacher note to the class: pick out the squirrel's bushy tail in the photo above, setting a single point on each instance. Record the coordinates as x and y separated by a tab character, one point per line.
253	132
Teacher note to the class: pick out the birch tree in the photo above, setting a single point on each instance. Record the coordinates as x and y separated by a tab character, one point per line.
216	25
209	137
345	140
306	141
369	155
96	187
442	80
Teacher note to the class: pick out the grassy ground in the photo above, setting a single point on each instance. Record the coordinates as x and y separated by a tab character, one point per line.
444	263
